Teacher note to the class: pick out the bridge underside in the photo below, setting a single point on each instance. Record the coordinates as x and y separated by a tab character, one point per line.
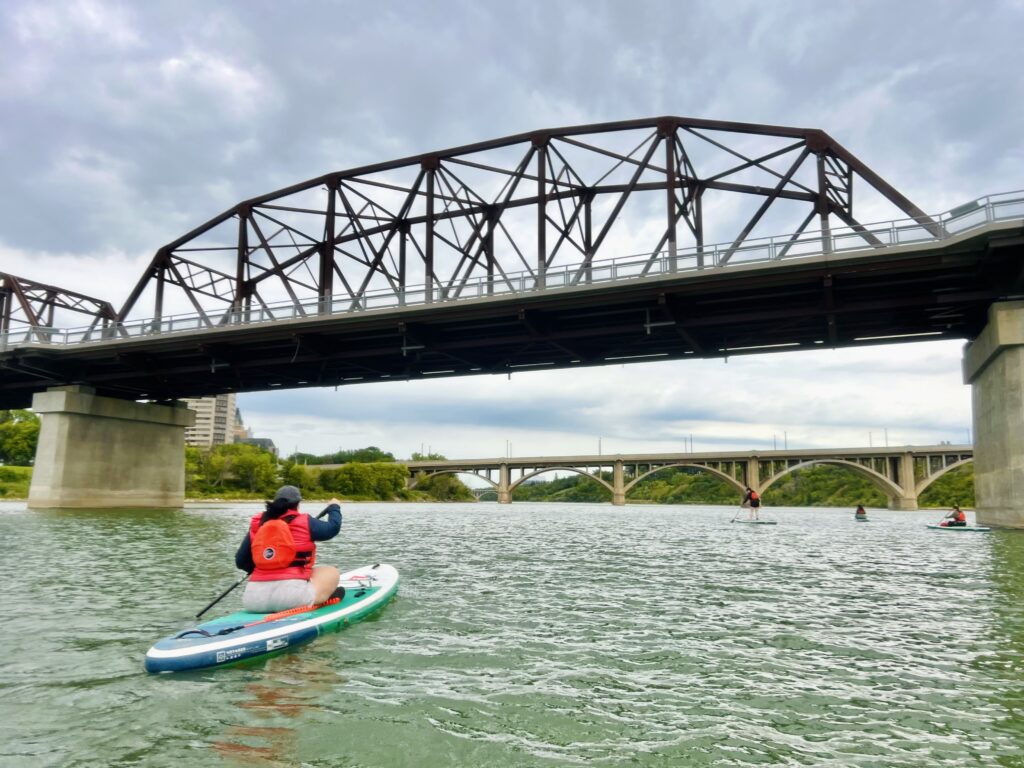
934	291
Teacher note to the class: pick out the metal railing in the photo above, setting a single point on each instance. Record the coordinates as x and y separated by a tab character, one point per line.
977	213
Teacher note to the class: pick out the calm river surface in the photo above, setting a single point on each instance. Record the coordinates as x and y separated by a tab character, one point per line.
530	635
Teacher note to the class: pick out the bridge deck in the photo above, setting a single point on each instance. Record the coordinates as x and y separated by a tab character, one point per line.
897	293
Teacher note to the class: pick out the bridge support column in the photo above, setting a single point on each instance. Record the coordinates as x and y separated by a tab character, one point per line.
994	367
907	499
618	486
103	452
504	494
753	475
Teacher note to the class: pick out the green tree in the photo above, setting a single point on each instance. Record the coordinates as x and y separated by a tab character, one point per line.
236	469
443	487
824	485
954	487
369	455
19	436
249	467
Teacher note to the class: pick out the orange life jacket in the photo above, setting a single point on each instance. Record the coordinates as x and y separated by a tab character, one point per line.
754	496
960	516
282	548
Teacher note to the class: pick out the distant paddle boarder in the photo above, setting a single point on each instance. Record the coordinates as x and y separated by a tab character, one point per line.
753	500
861	513
955	519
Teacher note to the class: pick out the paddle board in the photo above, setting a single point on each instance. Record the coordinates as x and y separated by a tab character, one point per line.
757	522
243	636
959	528
861	519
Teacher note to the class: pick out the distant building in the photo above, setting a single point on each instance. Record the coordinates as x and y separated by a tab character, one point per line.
264	443
215	421
219	422
241	432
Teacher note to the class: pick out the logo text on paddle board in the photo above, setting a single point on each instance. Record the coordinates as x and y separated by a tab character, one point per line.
228	655
277	642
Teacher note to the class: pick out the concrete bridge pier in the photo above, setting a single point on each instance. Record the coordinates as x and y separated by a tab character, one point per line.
618	485
752	476
104	452
994	367
504	494
907	498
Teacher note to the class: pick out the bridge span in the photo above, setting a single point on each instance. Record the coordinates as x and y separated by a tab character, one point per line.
902	473
588	245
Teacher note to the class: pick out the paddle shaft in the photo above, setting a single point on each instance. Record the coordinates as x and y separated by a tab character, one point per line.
230	589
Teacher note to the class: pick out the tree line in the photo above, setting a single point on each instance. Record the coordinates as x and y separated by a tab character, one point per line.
368	474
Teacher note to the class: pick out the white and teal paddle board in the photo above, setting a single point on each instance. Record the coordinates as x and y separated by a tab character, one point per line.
243	636
757	522
959	528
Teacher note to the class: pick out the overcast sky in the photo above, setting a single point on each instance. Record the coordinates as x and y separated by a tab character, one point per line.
127	124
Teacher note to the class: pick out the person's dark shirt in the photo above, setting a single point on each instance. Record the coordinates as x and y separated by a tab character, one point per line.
319	530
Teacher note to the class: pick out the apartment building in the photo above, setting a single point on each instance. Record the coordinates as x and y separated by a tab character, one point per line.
216	418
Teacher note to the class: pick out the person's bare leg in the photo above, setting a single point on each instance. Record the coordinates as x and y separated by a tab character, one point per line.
324	580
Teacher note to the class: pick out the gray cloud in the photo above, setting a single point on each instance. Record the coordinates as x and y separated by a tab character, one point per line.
128	124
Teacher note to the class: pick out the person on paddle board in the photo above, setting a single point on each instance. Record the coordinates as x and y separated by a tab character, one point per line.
279	553
861	512
753	499
955	519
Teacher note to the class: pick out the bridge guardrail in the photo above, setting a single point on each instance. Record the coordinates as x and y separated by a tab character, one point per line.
1000	207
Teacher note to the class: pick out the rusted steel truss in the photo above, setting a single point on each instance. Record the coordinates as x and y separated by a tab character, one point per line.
425	227
32	307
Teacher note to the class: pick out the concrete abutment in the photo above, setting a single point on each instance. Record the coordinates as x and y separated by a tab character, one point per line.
104	452
994	367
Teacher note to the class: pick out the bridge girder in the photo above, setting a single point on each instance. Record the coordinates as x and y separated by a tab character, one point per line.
34	307
530	202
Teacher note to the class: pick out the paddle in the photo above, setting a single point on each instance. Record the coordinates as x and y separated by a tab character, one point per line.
230	589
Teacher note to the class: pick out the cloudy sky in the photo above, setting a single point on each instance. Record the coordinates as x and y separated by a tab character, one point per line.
127	124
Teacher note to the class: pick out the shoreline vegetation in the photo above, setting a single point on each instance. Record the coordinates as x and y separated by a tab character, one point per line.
247	473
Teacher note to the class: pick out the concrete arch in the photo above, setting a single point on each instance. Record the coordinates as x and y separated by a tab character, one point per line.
884	484
717	473
920	487
524	478
427	476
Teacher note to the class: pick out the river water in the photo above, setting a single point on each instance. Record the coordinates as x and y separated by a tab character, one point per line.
530	635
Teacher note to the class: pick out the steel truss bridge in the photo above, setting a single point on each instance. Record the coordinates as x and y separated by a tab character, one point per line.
901	473
639	240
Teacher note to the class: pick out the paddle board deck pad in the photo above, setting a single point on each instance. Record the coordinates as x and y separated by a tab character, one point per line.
757	522
243	636
959	528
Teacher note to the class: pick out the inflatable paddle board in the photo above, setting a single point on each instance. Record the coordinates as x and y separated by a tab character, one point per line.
243	636
757	522
959	528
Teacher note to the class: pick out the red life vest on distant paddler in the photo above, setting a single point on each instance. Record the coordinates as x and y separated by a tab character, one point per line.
960	517
282	547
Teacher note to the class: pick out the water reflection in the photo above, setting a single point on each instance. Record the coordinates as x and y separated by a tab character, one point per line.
276	708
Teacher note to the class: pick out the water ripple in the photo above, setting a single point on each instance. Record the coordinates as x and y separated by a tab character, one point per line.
536	635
